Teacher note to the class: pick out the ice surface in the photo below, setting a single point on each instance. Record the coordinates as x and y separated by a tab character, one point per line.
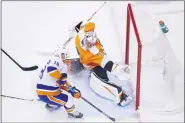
42	25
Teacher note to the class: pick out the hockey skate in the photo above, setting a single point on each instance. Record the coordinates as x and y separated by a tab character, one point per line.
52	107
123	100
75	114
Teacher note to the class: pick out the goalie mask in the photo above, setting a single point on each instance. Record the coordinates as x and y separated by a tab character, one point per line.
90	39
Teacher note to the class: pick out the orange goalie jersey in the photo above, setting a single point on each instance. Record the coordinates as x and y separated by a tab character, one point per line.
92	56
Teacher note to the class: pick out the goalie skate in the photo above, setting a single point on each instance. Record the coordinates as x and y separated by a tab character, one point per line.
124	100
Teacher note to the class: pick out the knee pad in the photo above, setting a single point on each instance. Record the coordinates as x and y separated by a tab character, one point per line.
108	66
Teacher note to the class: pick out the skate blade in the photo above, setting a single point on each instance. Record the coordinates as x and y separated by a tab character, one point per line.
71	117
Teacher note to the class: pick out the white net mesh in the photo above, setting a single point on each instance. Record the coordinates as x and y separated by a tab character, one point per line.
162	75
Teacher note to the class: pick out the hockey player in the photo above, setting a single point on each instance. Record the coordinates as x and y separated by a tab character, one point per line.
54	89
93	56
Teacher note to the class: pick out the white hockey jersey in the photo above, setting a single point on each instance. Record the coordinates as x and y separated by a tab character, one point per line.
47	84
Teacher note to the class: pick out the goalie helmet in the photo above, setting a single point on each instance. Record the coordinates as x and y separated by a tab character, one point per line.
90	34
62	53
91	37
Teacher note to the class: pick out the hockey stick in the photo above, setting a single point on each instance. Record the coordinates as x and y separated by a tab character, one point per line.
20	98
131	118
96	11
65	44
32	100
23	68
111	118
70	38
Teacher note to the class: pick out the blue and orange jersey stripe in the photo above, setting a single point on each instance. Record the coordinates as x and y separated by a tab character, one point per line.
54	72
56	100
47	90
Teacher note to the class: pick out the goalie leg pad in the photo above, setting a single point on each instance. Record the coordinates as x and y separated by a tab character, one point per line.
121	71
109	66
104	89
101	73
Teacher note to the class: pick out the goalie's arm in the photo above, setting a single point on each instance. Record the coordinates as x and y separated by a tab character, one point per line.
75	31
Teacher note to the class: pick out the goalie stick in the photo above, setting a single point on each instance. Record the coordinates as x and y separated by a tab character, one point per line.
23	68
76	28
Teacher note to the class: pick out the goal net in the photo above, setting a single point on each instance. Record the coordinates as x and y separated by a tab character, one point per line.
156	73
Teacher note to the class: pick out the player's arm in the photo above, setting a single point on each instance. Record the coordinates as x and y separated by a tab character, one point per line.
77	28
54	72
65	85
61	79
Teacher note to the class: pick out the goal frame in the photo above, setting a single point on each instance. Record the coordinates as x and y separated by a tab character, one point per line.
130	18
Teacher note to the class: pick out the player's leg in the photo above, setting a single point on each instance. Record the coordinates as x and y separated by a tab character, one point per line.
99	82
65	100
106	76
120	71
70	107
50	105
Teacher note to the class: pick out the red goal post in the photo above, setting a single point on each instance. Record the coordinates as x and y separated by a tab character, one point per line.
160	54
130	16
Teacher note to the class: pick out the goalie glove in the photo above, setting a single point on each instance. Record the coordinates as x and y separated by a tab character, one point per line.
74	92
75	29
80	25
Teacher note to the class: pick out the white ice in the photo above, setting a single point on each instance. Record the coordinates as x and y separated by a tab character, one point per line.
31	26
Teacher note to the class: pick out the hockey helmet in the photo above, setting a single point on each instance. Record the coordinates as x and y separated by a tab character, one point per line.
90	26
62	52
90	34
90	38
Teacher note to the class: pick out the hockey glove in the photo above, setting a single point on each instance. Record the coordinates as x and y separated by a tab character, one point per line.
64	75
77	27
80	25
63	79
74	92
